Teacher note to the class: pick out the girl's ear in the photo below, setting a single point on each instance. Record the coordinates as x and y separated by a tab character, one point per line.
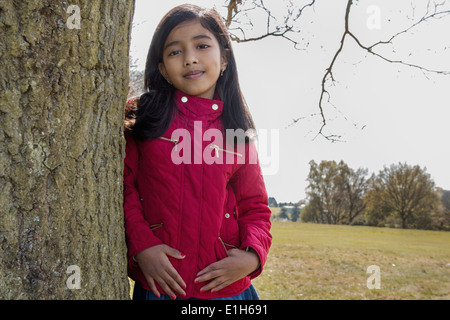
224	62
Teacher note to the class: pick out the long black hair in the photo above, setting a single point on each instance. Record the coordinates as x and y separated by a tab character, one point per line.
156	107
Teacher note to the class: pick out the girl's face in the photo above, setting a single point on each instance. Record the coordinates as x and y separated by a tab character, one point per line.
192	59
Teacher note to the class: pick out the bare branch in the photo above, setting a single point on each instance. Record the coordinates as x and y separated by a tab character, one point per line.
232	7
329	71
286	29
369	49
277	29
435	15
268	34
329	74
311	4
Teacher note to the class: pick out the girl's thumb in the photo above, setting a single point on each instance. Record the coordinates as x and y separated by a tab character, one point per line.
175	253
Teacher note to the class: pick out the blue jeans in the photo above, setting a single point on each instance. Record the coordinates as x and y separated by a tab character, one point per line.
140	293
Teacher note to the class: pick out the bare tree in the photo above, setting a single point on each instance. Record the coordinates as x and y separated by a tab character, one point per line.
433	11
240	15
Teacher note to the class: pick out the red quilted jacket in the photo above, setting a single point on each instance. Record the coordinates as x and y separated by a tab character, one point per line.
200	208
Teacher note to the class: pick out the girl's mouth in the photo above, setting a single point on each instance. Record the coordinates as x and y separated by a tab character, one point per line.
193	74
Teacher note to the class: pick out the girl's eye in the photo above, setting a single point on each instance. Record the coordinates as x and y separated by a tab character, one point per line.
203	46
173	53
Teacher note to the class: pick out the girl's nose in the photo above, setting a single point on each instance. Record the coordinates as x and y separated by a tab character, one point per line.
190	59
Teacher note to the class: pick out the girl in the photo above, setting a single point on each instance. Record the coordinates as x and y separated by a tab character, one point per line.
196	213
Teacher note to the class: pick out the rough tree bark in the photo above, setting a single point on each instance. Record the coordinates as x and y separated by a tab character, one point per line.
63	86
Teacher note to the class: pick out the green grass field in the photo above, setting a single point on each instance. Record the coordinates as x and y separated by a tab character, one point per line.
314	261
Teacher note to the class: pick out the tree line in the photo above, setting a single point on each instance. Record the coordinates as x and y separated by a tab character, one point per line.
399	195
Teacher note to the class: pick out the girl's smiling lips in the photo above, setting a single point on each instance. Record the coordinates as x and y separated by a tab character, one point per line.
193	74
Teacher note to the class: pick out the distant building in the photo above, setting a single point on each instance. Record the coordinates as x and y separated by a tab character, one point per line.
291	213
272	202
289	209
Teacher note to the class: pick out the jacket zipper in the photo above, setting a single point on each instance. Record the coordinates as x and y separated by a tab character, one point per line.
175	141
156	226
217	148
224	247
229	245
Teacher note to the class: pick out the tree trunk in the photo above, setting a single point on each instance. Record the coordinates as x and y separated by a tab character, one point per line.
403	216
63	87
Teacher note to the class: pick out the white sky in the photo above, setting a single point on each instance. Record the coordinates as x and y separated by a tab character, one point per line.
405	115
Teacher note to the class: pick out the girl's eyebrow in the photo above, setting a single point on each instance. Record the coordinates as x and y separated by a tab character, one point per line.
200	36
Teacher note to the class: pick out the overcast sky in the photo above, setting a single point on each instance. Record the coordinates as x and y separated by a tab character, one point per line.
386	113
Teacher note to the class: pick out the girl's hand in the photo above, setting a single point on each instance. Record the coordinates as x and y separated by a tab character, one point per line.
236	266
155	265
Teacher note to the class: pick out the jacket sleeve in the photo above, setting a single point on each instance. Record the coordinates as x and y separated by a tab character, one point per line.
138	233
252	202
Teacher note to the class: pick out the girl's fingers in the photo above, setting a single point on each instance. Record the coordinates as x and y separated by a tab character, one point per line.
156	266
169	285
209	275
214	270
173	279
179	283
211	268
173	252
153	288
221	286
217	284
166	288
217	276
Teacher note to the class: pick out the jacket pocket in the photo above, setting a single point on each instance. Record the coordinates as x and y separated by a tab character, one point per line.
229	231
156	226
174	141
220	249
157	230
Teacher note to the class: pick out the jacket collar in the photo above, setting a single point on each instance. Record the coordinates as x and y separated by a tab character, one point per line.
198	108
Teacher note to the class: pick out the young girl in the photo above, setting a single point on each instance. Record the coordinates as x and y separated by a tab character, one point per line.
196	209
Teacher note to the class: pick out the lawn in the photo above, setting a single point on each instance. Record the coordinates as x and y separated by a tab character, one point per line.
313	261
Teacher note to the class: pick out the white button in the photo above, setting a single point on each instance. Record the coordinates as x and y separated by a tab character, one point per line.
227	215
215	106
184	99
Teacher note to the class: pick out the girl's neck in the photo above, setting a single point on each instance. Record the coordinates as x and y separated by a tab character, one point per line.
214	97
